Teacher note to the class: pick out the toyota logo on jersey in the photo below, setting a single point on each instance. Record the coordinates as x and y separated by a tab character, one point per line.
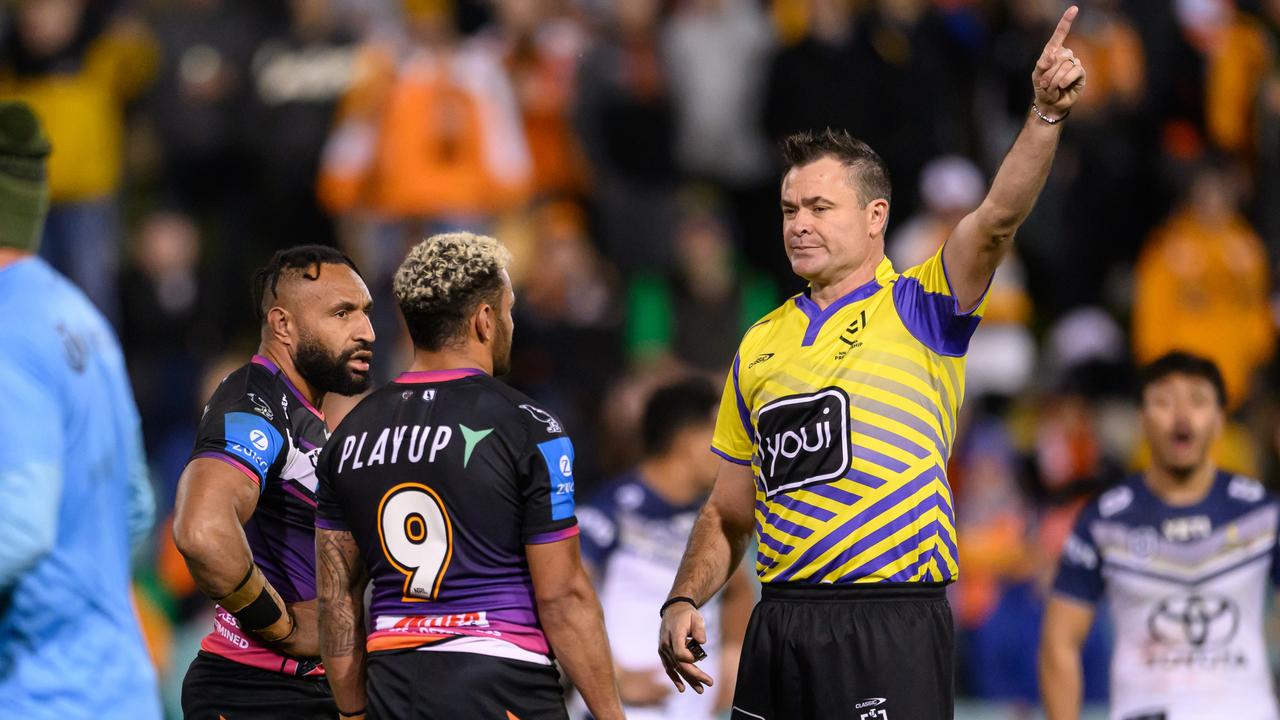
1199	620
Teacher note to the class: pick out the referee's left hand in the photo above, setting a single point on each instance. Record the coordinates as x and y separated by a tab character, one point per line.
680	622
1058	77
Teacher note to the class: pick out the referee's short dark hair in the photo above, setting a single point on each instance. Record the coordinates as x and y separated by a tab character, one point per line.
1182	363
674	407
306	260
868	172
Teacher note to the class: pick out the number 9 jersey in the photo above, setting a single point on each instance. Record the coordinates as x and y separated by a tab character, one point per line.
443	478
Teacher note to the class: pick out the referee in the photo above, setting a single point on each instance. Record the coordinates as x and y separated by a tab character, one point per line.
835	427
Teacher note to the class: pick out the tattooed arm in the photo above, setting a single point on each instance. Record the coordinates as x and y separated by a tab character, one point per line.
340	581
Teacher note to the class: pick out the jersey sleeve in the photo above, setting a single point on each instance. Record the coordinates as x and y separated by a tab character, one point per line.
923	298
31	474
547	477
1080	566
244	429
734	437
329	515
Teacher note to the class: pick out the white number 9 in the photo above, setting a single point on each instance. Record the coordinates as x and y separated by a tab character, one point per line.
417	538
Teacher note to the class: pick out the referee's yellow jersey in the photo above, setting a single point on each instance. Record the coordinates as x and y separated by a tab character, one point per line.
847	416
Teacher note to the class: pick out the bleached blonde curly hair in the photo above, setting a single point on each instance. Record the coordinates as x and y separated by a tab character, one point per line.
442	282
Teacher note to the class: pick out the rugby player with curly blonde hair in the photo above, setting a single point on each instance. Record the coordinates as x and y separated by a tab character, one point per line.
452	494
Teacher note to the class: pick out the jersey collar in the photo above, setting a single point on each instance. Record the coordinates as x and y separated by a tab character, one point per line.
819	317
274	369
435	376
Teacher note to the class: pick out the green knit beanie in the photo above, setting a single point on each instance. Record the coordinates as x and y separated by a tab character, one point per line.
24	191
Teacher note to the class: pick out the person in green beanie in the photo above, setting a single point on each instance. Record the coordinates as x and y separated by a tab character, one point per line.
24	187
74	491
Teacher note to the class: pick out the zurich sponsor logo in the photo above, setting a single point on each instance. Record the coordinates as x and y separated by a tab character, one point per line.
566	466
259	440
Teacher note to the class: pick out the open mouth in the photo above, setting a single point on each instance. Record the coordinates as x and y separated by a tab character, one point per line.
360	361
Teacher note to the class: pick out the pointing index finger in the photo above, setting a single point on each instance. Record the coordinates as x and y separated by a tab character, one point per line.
1064	27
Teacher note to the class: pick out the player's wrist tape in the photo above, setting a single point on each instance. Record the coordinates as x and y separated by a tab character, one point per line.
352	714
258	607
673	601
1046	118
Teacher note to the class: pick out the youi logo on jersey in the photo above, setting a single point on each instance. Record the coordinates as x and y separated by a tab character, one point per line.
803	439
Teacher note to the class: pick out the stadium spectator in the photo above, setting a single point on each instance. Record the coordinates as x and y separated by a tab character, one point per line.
171	325
297	75
695	313
1202	284
78	63
625	117
75	494
540	49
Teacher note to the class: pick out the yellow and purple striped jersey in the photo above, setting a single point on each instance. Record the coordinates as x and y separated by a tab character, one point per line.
847	415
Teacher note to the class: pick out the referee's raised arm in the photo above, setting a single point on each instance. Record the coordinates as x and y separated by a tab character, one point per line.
716	545
982	239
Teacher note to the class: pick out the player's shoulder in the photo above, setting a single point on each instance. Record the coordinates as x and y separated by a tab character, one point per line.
618	494
756	335
511	405
1243	490
1114	503
599	516
253	388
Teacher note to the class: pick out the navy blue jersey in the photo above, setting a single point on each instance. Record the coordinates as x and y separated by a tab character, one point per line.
1186	588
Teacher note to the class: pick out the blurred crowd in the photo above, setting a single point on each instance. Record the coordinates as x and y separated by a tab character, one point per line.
625	151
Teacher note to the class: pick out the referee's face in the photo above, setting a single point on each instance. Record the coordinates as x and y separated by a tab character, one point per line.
828	232
1181	419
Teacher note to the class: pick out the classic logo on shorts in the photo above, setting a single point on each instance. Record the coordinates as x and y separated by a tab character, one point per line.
803	439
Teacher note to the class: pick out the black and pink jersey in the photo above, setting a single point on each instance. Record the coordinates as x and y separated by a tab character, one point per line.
443	478
260	424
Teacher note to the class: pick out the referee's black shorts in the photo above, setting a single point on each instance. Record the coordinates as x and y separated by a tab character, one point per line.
216	688
865	652
433	685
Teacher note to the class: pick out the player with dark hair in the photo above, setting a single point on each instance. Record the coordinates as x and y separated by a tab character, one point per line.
1185	555
245	513
835	429
452	495
633	531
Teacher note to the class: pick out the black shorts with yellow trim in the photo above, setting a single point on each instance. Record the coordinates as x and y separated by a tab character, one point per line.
435	685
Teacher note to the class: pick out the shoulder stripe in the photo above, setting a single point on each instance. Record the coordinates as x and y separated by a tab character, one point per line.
235	463
743	413
729	457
